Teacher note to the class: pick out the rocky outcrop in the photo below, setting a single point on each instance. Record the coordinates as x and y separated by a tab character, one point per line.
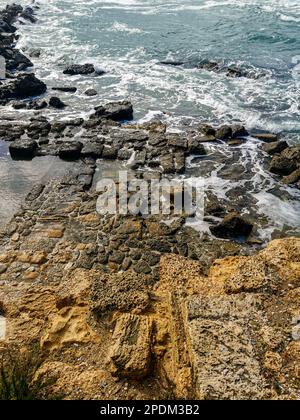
232	70
83	70
56	103
23	86
80	284
286	162
23	149
233	226
116	111
17	85
236	326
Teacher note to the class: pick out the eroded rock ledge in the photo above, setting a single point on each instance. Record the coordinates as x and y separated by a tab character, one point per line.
119	319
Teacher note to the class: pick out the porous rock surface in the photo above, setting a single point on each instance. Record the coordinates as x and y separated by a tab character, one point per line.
158	325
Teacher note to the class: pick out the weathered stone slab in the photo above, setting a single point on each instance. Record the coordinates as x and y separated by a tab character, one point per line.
130	355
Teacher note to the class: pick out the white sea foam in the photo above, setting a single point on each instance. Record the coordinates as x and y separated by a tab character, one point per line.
123	27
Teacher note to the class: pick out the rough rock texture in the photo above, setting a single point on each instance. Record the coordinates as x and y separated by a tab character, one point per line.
238	333
130	354
286	162
84	70
116	111
25	85
232	226
119	312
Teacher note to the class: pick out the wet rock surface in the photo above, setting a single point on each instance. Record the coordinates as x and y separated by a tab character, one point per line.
23	86
83	70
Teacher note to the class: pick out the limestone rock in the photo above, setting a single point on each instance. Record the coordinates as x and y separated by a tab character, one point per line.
69	326
120	292
130	355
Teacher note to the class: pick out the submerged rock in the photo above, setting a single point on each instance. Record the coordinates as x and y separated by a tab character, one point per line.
65	89
91	92
171	63
233	71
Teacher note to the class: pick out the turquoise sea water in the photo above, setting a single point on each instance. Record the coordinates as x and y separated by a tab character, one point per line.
128	39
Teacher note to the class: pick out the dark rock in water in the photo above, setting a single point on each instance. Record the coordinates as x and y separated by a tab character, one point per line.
77	122
23	149
287	162
210	66
171	63
6	27
275	147
57	103
8	40
281	165
293	178
58	126
196	147
15	60
24	86
293	154
266	137
116	111
233	226
19	105
65	89
91	92
213	207
35	53
70	150
83	70
37	105
239	131
235	72
232	71
224	132
236	142
28	14
207	130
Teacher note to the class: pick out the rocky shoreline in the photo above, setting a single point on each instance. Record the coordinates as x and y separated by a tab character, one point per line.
201	308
